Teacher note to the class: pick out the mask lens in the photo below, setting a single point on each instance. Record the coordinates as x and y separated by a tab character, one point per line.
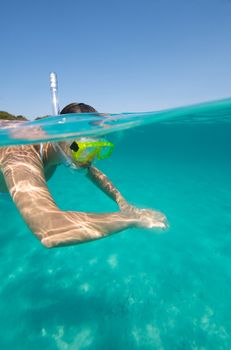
85	151
105	150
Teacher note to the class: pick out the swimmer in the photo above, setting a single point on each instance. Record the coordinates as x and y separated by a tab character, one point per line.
25	170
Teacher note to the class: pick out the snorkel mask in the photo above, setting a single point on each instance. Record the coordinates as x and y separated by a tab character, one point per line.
84	150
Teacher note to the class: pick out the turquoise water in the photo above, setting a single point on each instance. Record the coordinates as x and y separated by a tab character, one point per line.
136	289
70	126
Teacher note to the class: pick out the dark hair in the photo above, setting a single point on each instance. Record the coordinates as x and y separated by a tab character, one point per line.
78	108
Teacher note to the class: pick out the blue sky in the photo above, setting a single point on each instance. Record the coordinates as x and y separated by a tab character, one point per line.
114	55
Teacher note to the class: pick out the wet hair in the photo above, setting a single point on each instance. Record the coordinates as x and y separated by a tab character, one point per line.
78	108
74	108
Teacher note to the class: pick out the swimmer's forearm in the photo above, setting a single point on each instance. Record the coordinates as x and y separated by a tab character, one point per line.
101	181
77	228
70	228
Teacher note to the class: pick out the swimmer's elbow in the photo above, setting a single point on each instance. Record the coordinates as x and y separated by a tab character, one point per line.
47	243
51	242
46	240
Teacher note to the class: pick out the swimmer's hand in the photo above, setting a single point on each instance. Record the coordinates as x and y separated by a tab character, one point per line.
146	218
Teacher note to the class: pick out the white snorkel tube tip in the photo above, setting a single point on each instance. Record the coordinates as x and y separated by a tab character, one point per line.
54	93
55	110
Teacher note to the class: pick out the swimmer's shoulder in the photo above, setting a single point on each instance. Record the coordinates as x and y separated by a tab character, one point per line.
12	124
42	151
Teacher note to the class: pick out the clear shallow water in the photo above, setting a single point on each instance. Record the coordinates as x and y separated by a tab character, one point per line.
136	289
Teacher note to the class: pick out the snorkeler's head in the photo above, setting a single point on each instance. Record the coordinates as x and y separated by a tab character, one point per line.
82	152
78	108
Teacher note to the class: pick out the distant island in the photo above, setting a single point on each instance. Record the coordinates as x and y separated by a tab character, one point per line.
8	116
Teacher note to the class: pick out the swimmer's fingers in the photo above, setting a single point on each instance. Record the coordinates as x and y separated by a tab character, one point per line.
153	219
147	218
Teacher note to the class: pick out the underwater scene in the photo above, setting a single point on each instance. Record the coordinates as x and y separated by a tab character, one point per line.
138	289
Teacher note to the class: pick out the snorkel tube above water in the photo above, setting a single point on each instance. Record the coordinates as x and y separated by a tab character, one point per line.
54	93
55	110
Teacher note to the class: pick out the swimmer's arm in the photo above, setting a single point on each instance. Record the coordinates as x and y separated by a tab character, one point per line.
23	172
101	181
